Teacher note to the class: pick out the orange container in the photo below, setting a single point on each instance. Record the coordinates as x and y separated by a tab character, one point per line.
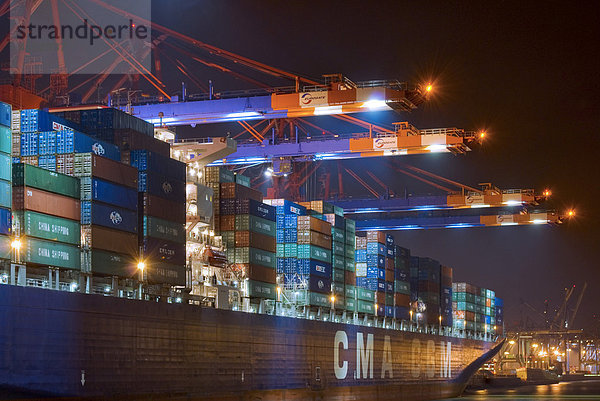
27	198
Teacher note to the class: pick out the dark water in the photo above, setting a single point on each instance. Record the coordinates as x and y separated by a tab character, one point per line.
587	390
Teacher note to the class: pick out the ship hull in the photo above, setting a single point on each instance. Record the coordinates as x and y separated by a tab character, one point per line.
76	346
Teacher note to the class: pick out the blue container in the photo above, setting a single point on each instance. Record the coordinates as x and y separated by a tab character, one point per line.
389	287
256	208
401	275
499	302
290	235
108	216
47	162
390	252
389	311
145	160
161	186
488	320
165	251
29	144
319	284
368	283
381	285
291	221
280	236
280	265
47	143
360	255
5	194
291	208
318	268
86	144
375	248
5	221
33	120
290	265
402	312
389	240
280	222
372	271
95	189
5	114
16	160
376	261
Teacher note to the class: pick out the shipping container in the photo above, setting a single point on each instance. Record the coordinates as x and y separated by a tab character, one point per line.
92	165
314	238
259	289
5	248
165	273
155	249
50	253
321	207
335	220
255	240
255	208
162	186
163	208
285	207
94	189
163	229
319	284
149	161
5	221
98	237
257	272
314	267
367	307
109	264
47	227
218	174
35	177
109	216
247	222
5	114
5	194
376	236
255	256
27	198
314	252
6	140
231	190
314	224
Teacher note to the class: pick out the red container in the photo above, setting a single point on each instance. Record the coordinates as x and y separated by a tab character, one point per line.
257	272
429	286
27	198
314	224
227	222
232	190
402	299
376	236
255	240
380	297
164	209
349	278
314	238
106	239
113	171
390	264
389	275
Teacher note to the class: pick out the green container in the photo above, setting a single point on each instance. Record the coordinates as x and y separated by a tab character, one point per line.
317	299
108	263
349	252
255	256
488	311
338	275
5	250
365	295
247	222
470	325
401	287
5	167
50	253
402	263
306	251
242	180
163	229
389	299
5	140
337	234
230	254
340	303
365	307
469	307
226	175
350	239
470	298
228	238
338	248
48	227
338	289
258	289
291	250
5	194
459	296
350	264
350	292
31	176
350	304
461	306
350	225
280	250
480	300
338	262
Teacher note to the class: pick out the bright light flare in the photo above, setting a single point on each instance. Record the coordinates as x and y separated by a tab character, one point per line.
482	134
429	88
141	266
16	244
571	213
547	193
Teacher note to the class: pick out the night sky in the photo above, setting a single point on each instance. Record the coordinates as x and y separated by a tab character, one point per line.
528	72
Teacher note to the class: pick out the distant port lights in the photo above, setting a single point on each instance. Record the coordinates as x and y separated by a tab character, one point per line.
547	192
571	213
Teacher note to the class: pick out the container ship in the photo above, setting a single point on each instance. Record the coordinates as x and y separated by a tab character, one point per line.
131	269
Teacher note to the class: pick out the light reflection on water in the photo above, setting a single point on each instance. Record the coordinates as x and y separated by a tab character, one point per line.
587	390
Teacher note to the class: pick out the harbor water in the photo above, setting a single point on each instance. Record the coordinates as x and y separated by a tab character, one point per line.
580	390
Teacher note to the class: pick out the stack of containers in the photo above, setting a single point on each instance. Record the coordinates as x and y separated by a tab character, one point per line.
374	278
5	179
47	210
499	329
485	308
314	260
213	178
109	215
463	306
365	295
338	251
425	278
287	237
350	264
162	235
254	238
46	142
401	282
390	265
446	296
